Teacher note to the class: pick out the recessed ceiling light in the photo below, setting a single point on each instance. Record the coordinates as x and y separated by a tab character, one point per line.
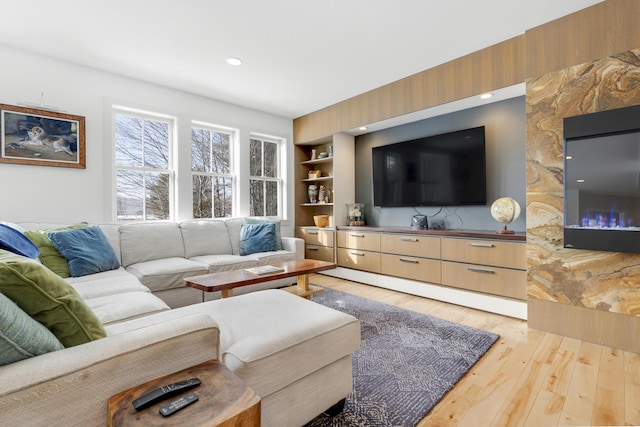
569	157
234	61
362	128
579	180
486	95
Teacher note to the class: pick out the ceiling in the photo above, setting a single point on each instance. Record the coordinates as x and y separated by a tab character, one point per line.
299	55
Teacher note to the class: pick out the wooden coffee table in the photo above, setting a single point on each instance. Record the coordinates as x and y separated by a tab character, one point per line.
226	281
224	401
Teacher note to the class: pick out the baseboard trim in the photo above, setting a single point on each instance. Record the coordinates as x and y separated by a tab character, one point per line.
596	326
484	302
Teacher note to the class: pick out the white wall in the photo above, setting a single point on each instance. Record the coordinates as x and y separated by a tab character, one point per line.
61	195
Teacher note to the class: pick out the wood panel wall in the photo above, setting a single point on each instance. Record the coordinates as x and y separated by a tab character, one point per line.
495	67
596	32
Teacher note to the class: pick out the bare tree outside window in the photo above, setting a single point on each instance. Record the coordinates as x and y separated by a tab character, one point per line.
264	181
211	171
143	168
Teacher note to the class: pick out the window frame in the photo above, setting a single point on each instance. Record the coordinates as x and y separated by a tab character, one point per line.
279	179
233	140
171	121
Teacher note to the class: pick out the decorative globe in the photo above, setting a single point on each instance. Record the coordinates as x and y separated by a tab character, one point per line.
505	210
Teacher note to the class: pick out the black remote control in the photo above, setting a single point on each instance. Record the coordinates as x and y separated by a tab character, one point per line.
164	392
179	403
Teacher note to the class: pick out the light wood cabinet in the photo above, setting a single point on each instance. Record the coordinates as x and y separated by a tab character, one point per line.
411	245
359	240
415	268
319	243
484	265
484	251
487	279
359	259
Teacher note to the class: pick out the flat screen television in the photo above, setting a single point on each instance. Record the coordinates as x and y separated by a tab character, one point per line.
439	170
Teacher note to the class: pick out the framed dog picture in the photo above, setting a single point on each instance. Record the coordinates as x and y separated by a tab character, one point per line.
38	137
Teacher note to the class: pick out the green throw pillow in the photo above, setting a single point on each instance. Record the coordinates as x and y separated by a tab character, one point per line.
22	337
268	221
49	255
48	299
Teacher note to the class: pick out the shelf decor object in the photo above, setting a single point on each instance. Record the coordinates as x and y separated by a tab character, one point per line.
312	192
505	210
321	220
355	213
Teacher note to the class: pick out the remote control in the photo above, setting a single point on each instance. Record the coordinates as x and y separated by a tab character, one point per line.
164	392
179	403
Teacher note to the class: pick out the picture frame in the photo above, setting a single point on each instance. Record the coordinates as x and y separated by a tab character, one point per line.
31	136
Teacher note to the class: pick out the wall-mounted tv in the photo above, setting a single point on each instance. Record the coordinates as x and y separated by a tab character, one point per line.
439	170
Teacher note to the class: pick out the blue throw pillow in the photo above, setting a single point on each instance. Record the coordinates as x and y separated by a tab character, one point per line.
253	220
21	336
16	242
257	238
86	250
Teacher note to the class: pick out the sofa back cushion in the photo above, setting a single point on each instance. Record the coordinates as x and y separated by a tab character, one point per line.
142	242
207	237
233	227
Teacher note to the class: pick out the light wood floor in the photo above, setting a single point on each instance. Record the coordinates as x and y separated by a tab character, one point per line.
529	377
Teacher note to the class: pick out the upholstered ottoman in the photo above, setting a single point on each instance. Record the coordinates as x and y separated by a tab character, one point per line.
294	353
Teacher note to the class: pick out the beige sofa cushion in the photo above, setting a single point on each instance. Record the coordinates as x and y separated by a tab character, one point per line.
205	238
229	262
110	282
166	273
142	242
119	308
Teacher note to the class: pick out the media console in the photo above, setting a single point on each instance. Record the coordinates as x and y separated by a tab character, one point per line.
478	269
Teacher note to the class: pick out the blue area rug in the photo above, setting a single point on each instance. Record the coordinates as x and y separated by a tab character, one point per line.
407	362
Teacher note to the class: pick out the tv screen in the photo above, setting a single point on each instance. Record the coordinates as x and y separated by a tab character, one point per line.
440	170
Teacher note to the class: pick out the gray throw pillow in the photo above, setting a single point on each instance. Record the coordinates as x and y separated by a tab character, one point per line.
22	337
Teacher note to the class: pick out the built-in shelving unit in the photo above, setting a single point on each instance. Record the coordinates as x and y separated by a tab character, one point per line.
337	177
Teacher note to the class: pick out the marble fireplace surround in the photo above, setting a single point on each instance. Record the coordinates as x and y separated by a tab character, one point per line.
591	295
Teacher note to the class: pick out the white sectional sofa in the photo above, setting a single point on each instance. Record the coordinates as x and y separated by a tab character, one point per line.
160	255
294	353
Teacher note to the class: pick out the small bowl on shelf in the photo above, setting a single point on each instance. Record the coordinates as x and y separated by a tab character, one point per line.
321	220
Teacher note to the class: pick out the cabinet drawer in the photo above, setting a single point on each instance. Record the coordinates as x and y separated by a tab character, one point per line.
358	259
411	244
359	240
315	236
490	280
487	252
321	253
415	268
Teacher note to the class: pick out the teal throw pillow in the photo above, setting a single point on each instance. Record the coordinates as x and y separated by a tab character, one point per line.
253	220
86	250
22	337
257	238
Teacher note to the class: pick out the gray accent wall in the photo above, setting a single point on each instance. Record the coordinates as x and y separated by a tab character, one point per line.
504	123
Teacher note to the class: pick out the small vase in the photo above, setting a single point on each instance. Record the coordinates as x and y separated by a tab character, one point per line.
312	191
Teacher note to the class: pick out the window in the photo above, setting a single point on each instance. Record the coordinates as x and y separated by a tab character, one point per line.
264	180
211	166
143	166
